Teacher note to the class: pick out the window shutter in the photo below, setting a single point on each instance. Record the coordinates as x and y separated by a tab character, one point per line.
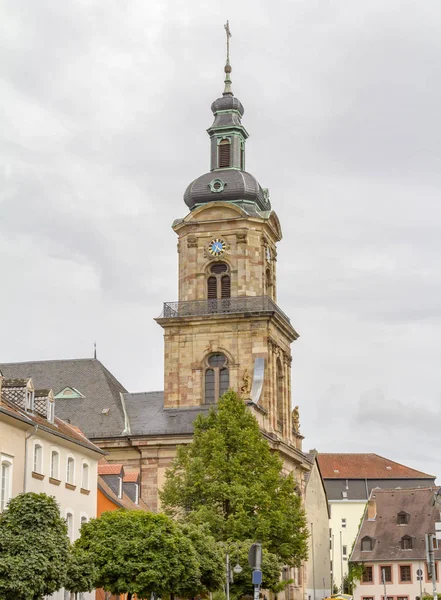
226	286
224	154
212	288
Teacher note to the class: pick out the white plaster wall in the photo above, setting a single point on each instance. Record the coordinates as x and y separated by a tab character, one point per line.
341	536
12	449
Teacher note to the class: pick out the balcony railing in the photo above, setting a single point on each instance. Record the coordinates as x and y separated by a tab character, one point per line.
238	304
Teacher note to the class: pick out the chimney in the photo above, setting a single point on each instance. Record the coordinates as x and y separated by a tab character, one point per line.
372	509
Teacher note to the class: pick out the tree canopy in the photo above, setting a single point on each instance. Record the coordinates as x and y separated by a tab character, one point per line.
34	548
137	552
229	479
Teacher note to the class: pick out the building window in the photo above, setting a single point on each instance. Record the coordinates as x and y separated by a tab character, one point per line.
386	574
70	471
242	156
367	544
406	542
38	458
368	575
367	598
6	483
30	401
224	153
50	411
429	575
136	493
120	487
218	282
343	523
69	522
280	403
402	597
83	520
405	574
403	518
85	476
344	552
55	465
217	378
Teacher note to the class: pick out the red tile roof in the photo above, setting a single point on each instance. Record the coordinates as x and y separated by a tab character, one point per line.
365	466
131	477
108	469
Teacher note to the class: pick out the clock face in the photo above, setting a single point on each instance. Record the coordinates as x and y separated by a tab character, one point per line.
216	247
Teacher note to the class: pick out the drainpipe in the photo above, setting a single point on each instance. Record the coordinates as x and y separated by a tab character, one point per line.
28	436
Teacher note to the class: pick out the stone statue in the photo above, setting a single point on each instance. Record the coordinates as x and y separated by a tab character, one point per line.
295	416
245	388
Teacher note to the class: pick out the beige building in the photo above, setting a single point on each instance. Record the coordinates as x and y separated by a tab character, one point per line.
42	454
349	479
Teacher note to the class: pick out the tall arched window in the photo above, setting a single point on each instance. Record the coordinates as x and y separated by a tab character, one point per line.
85	476
69	523
38	458
224	153
55	465
218	282
280	412
5	483
70	471
217	378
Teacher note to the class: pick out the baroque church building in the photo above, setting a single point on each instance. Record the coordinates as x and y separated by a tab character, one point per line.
225	331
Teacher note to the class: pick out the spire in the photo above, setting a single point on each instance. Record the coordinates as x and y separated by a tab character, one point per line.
227	91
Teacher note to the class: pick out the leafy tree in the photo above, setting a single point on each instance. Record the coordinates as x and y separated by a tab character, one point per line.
81	571
34	548
242	582
210	556
140	553
229	479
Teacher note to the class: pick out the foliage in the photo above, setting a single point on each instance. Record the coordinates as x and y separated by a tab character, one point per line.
141	553
81	571
355	574
210	557
271	568
229	479
33	548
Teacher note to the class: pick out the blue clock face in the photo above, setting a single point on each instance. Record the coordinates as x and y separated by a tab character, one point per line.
216	247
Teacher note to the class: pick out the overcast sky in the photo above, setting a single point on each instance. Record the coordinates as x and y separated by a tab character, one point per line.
104	107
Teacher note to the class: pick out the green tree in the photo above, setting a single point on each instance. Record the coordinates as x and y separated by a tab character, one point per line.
34	548
137	552
229	479
81	571
210	555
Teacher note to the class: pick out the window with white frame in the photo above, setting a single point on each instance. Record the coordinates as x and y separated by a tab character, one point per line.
84	519
70	470
29	400
38	458
55	464
136	493
344	552
85	476
120	487
50	411
5	482
69	522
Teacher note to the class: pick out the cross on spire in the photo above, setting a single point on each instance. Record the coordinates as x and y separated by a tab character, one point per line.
228	32
227	69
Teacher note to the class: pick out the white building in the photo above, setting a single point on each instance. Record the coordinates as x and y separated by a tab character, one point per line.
349	479
391	540
42	454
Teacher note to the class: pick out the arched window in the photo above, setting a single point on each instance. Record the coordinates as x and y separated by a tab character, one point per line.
84	519
217	378
69	523
55	465
5	483
38	458
224	153
218	282
280	403
85	476
70	471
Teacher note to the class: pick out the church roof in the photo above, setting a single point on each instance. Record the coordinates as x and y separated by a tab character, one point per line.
365	466
99	412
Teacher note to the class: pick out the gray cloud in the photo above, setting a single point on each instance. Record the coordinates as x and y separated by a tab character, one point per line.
104	111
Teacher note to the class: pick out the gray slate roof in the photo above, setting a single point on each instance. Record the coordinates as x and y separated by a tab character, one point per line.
101	390
147	415
387	533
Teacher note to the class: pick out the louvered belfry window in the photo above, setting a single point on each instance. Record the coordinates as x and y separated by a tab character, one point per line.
224	150
219	282
217	378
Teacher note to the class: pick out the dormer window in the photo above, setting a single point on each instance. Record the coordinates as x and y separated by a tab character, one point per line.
403	518
367	544
406	542
50	411
224	153
120	487
136	493
30	400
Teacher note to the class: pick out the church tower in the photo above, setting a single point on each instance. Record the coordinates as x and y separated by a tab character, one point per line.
226	329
